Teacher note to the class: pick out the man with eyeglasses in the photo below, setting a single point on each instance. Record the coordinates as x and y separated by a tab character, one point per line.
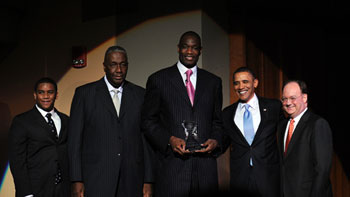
305	145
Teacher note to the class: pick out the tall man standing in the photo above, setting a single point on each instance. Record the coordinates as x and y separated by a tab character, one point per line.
106	150
305	144
184	92
250	127
38	146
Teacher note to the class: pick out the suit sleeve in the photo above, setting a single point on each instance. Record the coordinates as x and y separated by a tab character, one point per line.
151	120
17	157
322	156
150	161
217	127
75	132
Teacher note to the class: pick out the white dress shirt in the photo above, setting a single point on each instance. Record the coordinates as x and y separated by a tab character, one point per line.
111	89
193	77
254	110
296	121
55	117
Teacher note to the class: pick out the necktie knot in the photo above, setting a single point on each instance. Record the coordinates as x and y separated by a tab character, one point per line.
48	115
188	73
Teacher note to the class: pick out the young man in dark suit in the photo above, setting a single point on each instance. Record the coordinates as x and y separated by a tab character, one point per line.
37	146
184	92
305	144
250	127
107	153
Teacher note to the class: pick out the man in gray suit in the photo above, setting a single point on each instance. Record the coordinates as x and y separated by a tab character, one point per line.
184	92
107	153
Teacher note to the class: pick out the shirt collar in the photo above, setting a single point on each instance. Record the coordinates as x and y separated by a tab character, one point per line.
183	68
43	112
298	117
253	103
110	87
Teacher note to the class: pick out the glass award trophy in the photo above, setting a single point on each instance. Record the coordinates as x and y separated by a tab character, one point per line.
192	139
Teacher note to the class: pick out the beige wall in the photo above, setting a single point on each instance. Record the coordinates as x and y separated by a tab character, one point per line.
151	45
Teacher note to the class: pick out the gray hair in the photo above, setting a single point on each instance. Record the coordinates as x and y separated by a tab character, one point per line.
116	49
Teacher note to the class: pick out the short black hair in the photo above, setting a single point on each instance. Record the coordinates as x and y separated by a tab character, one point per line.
301	83
191	33
45	80
244	69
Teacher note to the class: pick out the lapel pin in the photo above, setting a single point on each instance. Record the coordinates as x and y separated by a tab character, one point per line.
265	109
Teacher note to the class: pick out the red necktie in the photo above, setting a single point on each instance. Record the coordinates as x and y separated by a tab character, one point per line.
289	135
189	86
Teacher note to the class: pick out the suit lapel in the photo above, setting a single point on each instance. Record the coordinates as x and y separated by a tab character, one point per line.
42	123
281	132
263	115
105	97
177	81
298	132
127	97
200	86
234	127
63	132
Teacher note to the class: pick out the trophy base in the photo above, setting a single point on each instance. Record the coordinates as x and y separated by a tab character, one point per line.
193	146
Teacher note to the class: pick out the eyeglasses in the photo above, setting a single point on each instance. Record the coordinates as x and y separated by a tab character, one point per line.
291	99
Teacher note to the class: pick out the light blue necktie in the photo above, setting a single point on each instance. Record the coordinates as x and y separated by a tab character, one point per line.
248	127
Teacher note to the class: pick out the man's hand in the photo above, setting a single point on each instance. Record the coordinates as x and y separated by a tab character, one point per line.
78	189
147	190
209	145
178	145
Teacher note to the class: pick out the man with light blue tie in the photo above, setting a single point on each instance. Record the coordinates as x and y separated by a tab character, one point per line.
250	127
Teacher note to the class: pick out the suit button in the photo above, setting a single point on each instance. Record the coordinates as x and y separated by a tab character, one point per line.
118	154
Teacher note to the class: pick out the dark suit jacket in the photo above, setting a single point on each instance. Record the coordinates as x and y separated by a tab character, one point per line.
305	169
34	153
263	150
106	151
166	106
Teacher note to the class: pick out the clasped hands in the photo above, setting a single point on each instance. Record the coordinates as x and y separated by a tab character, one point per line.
178	145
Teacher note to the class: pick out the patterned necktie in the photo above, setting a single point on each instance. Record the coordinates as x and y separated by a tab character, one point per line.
189	86
51	124
116	101
289	135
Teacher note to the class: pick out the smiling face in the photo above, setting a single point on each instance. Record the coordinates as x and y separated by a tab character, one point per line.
45	96
244	85
293	100
116	68
189	50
